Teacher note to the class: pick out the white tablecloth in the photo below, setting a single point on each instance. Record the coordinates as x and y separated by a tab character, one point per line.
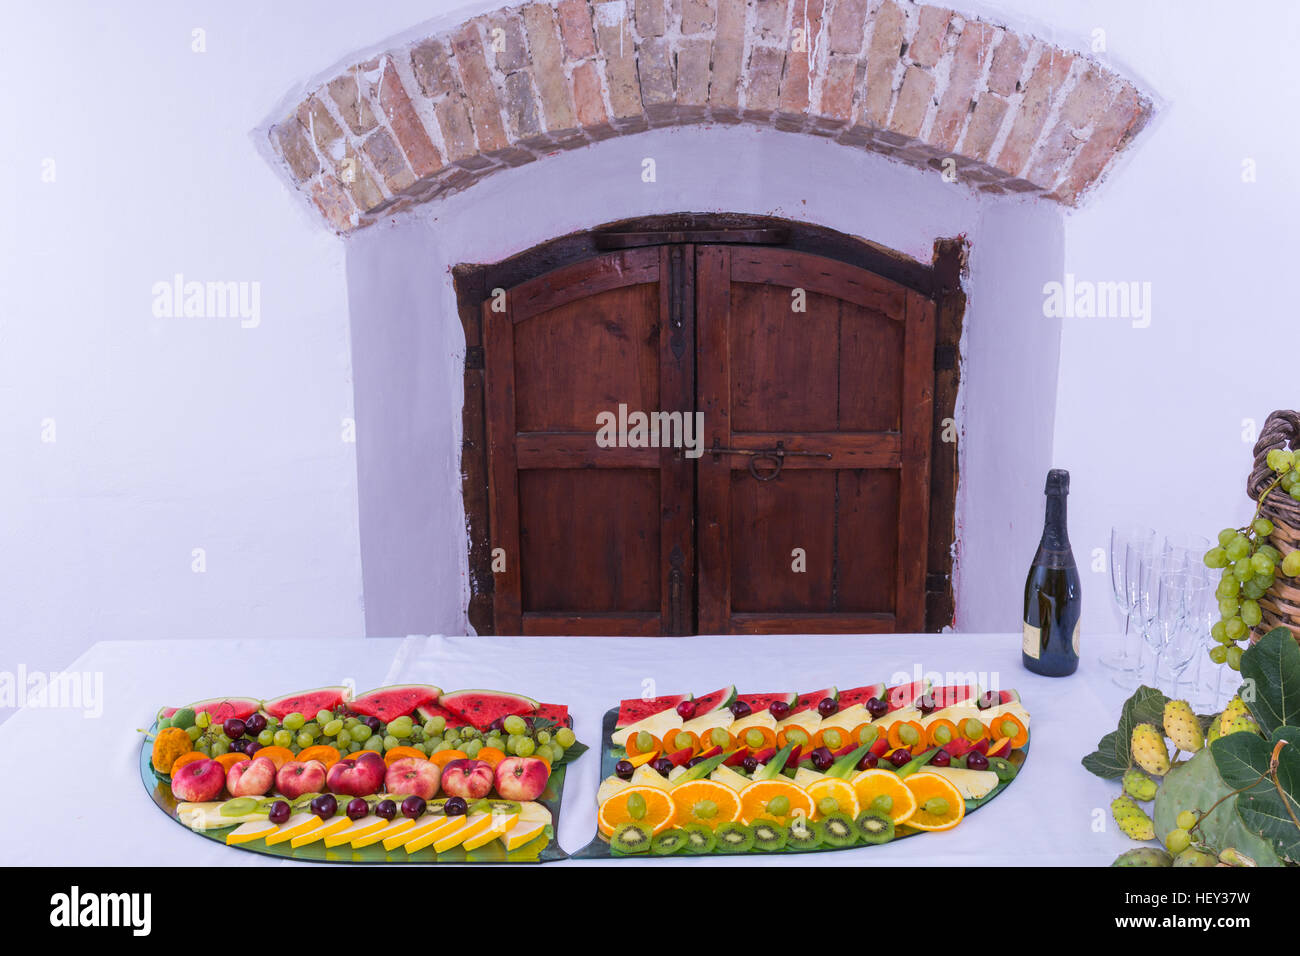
73	793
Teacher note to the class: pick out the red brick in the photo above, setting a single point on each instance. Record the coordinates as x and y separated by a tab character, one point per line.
795	82
481	95
615	43
548	68
763	84
1049	74
457	129
848	26
1086	101
1123	119
1051	156
769	20
587	95
353	106
290	136
388	161
882	60
837	89
324	131
505	38
728	55
931	30
651	20
693	72
433	69
913	101
1008	63
983	127
575	29
333	203
405	123
655	67
968	61
521	108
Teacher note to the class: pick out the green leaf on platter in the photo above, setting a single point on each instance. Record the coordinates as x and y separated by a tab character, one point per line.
1196	785
1104	761
571	754
1243	761
1271	669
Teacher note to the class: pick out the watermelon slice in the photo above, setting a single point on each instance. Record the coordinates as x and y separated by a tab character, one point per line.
715	701
427	712
639	708
810	700
220	709
904	695
558	714
859	695
389	703
306	702
482	707
952	694
759	702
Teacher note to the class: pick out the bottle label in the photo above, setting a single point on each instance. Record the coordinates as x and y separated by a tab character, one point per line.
1075	640
1033	641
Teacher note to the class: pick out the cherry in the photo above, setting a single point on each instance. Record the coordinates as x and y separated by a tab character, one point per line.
822	758
455	807
250	746
237	746
498	724
828	707
780	709
254	725
740	709
387	809
325	806
941	758
279	812
976	761
927	705
877	707
624	769
694	760
412	806
900	757
868	761
686	709
663	765
234	728
749	764
988	700
372	723
357	808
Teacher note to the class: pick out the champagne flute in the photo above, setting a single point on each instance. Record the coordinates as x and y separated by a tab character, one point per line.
1155	615
1138	556
1124	590
1181	594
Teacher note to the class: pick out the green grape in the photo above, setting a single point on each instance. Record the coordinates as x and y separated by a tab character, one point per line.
1177	840
283	738
451	735
515	724
1250	613
1280	459
1236	628
1263	580
350	722
219	748
1216	558
1229	587
1186	820
312	728
1262	563
566	737
1263	527
1243	570
304	739
1239	548
417	734
375	742
266	737
1234	658
1228	607
1271	551
294	721
1295	491
1226	536
442	745
390	742
1218	654
400	728
360	733
332	728
272	722
203	718
435	725
194	733
473	747
470	733
557	752
1220	632
524	747
1253	590
353	747
1291	564
323	717
204	748
544	737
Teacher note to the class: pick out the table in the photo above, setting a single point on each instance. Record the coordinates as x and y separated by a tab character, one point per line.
1055	814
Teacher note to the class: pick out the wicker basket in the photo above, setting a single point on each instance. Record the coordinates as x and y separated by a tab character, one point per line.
1281	603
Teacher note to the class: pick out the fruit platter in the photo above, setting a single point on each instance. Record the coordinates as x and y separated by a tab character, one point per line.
829	769
401	774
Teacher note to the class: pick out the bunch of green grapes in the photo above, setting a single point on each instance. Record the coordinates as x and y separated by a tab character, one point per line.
1250	565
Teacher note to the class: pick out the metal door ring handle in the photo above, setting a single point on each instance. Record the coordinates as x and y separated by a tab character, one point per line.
777	461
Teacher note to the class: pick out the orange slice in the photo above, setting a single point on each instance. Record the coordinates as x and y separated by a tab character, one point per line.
277	755
672	743
444	757
190	757
397	753
833	789
714	737
779	799
876	782
939	804
1008	725
783	738
326	754
896	741
819	738
705	801
938	729
492	755
635	750
768	741
229	760
654	809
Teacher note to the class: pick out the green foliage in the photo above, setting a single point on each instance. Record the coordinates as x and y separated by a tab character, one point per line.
1271	668
1242	761
1113	756
1196	785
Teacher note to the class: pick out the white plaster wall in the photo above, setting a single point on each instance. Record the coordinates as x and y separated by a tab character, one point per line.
407	339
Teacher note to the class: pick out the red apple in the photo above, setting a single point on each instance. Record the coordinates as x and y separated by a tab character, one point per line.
357	778
415	778
521	778
471	779
296	778
198	781
251	778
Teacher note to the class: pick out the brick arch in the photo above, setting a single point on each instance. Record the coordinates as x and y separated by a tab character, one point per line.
1001	111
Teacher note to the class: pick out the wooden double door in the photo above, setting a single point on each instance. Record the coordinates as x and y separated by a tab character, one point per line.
793	495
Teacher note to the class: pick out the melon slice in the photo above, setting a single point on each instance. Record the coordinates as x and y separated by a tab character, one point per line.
220	709
905	695
306	702
427	712
810	699
759	702
482	707
637	709
859	695
558	714
718	700
389	703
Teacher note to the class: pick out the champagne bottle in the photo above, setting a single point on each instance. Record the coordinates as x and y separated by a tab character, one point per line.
1053	599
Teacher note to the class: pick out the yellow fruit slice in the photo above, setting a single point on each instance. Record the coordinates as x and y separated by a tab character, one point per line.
659	809
837	790
639	759
873	783
359	828
428	834
298	823
474	824
320	832
939	804
383	833
250	831
427	824
522	833
780	800
704	801
501	822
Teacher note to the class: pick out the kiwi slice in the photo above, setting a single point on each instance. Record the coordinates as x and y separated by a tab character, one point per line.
839	830
669	842
1004	768
734	838
699	838
875	827
804	834
630	838
769	835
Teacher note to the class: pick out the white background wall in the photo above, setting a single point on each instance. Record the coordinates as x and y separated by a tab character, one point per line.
175	434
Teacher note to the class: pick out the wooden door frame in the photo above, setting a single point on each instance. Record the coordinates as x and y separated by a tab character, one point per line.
940	281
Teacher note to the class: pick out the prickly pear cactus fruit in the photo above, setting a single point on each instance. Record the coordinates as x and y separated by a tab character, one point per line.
1193	856
1234	857
1212	734
1139	786
1148	749
1182	727
1238	725
1144	856
1131	819
1235	708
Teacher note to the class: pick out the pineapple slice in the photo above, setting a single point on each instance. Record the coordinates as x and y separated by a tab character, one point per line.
728	777
657	724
